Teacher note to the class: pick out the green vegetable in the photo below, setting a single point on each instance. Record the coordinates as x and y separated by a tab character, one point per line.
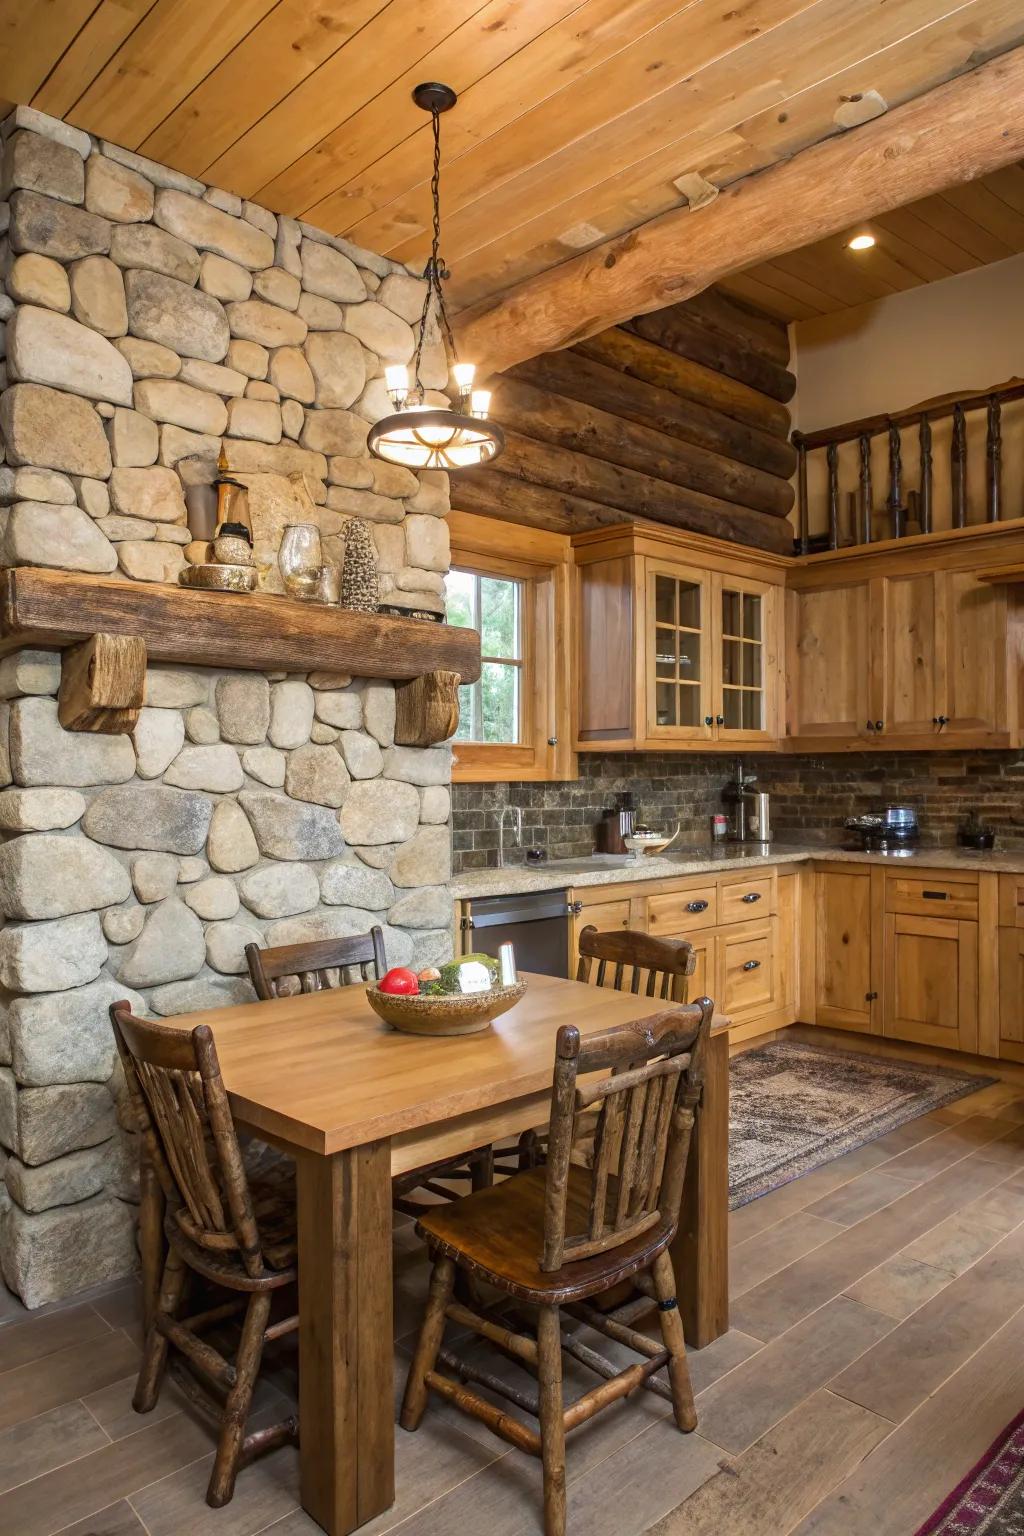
451	979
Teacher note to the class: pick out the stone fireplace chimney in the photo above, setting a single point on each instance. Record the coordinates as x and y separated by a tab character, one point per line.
151	320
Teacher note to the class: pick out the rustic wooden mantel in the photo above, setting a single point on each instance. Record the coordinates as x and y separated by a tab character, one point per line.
109	629
255	631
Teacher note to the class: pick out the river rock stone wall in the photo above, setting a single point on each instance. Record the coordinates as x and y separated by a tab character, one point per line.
149	320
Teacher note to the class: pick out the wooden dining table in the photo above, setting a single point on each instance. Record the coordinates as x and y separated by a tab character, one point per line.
354	1102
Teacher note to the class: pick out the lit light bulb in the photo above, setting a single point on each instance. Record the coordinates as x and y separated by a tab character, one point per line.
860	243
463	375
396	379
480	402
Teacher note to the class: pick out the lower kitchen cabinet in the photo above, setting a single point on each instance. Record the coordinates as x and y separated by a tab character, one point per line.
930	986
847	991
1011	993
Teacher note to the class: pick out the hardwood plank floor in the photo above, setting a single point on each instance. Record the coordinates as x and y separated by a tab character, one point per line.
876	1350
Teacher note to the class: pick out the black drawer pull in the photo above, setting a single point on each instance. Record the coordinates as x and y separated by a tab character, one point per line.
696	906
935	895
751	896
751	965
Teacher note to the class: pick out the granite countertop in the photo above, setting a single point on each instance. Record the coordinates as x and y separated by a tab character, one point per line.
516	880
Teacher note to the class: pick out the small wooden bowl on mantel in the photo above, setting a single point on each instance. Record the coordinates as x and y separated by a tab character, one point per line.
447	1013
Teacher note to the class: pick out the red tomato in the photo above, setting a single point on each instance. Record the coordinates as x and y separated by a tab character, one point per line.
399	981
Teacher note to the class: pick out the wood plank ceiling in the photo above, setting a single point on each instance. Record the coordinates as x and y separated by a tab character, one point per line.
574	119
968	226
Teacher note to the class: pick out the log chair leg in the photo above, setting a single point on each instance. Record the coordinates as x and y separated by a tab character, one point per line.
152	1246
154	1357
236	1409
552	1421
672	1333
442	1283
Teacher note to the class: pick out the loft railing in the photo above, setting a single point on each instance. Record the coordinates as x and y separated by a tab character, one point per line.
906	510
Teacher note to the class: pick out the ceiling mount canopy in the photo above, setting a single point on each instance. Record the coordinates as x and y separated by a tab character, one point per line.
425	433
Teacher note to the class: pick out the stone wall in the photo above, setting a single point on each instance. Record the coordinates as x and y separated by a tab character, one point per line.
811	797
149	320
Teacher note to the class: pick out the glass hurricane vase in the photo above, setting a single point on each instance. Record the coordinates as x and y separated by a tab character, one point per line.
300	559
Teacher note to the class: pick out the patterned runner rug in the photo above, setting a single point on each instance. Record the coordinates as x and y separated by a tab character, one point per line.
794	1107
990	1499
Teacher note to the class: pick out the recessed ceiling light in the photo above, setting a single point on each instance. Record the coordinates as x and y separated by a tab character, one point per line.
860	243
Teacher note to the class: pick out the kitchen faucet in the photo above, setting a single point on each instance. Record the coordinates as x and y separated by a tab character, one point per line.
517	822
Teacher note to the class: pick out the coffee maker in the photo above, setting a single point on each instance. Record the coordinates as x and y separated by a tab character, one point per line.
749	816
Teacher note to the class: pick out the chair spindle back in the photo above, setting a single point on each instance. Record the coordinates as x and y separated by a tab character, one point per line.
646	1106
316	966
635	962
182	1105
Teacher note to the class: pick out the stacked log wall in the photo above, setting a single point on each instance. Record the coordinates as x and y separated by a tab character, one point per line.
678	417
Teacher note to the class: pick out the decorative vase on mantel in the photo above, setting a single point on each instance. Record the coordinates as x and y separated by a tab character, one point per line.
360	589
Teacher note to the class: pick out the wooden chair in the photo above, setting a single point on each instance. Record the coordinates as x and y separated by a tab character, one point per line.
553	1237
329	962
635	962
315	966
228	1222
628	961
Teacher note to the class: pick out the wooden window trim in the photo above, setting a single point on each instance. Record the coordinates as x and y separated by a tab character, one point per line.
543	562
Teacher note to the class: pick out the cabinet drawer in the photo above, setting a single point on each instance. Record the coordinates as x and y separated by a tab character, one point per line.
935	895
745	897
1011	901
747	969
604	915
678	912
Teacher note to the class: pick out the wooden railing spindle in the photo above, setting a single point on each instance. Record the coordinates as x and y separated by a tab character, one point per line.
866	494
896	480
832	454
801	491
958	466
994	461
926	475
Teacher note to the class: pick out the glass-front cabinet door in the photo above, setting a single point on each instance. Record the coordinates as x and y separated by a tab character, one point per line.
746	660
679	656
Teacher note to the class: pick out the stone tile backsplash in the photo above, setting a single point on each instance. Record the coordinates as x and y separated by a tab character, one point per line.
149	322
811	797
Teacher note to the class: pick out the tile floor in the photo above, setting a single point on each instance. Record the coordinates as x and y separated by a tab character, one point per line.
877	1348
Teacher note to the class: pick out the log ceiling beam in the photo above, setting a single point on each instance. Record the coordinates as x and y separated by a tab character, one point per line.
953	134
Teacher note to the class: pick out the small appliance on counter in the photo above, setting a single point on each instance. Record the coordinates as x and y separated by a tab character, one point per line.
749	818
892	830
616	824
972	833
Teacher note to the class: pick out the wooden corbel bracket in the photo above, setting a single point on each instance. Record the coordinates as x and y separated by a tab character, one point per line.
427	709
103	684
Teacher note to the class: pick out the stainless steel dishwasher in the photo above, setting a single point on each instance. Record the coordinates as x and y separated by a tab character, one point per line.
537	923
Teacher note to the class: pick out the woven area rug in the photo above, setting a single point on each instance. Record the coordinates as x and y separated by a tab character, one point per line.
990	1499
794	1107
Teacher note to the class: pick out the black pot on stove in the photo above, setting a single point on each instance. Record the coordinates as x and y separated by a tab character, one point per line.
892	830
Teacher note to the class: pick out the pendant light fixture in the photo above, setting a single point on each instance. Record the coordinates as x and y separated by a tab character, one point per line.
422	435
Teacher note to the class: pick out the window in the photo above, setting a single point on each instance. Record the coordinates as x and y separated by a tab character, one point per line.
491	708
512	584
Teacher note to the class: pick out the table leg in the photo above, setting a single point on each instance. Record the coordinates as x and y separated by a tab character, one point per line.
700	1252
346	1404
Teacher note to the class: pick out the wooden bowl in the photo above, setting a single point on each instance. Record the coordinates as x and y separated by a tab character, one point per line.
449	1013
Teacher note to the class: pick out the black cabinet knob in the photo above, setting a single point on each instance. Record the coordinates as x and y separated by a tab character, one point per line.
869	997
879	724
709	719
719	719
943	720
870	725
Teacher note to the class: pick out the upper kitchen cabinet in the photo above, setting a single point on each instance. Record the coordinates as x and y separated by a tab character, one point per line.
905	644
680	642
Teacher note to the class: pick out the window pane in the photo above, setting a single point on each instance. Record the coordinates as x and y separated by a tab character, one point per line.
459	590
469	697
499	617
499	689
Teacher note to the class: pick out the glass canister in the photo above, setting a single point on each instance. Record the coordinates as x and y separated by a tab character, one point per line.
301	559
